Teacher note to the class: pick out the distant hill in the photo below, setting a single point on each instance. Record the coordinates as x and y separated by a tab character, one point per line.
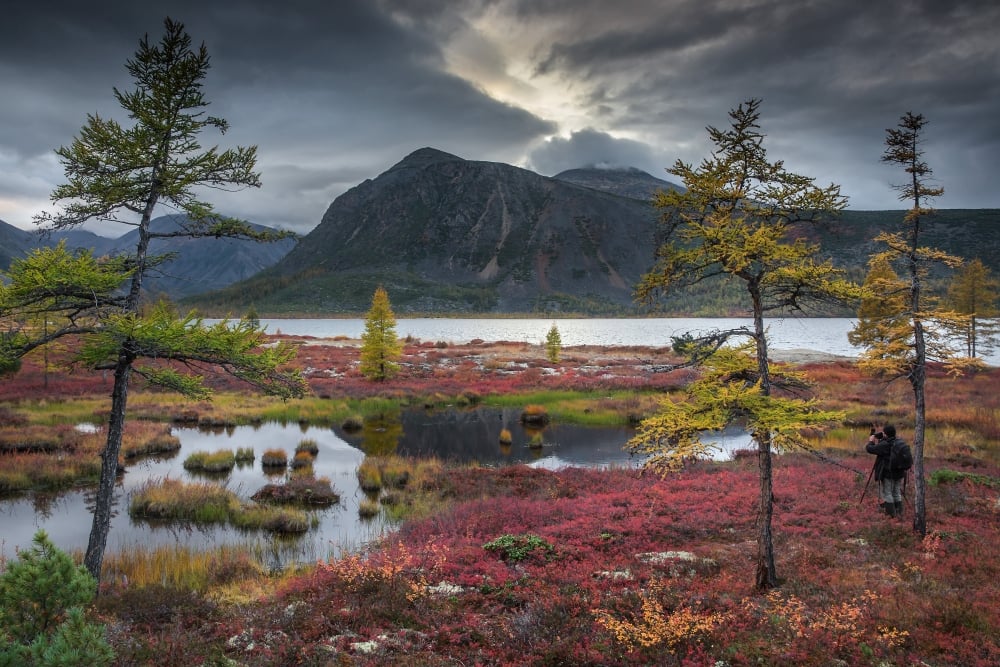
199	265
448	235
14	242
444	234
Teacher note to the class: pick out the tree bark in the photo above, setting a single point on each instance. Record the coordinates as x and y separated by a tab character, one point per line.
94	557
766	573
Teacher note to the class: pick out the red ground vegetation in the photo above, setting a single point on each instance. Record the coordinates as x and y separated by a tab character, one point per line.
641	571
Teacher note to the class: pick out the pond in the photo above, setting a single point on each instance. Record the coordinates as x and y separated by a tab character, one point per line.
453	436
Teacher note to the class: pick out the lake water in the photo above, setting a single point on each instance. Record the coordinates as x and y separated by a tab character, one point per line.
821	334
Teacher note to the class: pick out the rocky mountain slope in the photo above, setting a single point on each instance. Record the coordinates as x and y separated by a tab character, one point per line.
444	234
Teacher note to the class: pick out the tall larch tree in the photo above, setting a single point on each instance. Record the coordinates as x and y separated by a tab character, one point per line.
123	174
740	218
901	344
973	295
380	348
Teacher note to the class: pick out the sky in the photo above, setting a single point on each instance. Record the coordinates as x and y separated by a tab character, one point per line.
333	92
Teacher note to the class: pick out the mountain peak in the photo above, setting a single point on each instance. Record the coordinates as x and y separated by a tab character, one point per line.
423	157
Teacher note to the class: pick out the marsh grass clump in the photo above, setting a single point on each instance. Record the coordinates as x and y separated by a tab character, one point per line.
368	509
220	461
505	437
309	446
245	455
274	458
46	472
281	520
534	414
306	490
302	460
206	503
184	567
148	439
353	424
174	500
30	438
370	475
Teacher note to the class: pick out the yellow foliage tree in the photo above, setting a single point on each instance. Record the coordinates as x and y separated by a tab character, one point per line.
743	219
899	343
380	348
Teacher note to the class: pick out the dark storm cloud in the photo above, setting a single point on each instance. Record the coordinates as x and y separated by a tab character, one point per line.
336	92
832	75
321	88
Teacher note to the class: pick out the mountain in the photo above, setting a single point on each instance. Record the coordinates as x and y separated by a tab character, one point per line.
14	242
198	265
444	234
201	264
623	181
448	235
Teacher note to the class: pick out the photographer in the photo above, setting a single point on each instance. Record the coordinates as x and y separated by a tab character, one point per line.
890	482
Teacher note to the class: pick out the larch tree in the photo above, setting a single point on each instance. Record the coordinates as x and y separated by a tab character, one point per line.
123	174
380	348
973	295
901	344
553	344
741	218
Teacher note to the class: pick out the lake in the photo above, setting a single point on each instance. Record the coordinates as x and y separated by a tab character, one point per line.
821	334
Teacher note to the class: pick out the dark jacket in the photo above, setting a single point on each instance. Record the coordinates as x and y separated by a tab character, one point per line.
882	449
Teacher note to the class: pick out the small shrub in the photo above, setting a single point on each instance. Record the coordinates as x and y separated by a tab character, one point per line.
41	594
537	441
505	437
515	548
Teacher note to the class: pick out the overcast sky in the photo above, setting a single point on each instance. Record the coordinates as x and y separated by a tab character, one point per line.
337	91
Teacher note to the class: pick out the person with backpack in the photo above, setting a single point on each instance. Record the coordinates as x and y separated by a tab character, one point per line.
893	461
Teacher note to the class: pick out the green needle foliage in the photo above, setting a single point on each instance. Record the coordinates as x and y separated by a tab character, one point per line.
742	219
41	620
122	174
380	347
553	344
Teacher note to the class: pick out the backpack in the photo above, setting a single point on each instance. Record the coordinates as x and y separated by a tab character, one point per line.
900	456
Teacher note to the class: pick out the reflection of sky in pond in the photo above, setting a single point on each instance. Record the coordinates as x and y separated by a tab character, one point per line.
459	436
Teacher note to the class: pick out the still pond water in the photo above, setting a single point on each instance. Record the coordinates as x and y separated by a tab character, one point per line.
450	435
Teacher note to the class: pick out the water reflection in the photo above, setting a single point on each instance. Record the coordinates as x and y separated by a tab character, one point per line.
453	436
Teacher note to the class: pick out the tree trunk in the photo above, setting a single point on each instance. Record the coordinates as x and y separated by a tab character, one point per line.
94	557
766	574
918	378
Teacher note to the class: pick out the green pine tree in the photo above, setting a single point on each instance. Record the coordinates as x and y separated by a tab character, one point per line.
553	344
41	618
380	348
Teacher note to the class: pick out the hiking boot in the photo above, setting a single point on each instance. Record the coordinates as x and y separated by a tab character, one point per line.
898	507
890	509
